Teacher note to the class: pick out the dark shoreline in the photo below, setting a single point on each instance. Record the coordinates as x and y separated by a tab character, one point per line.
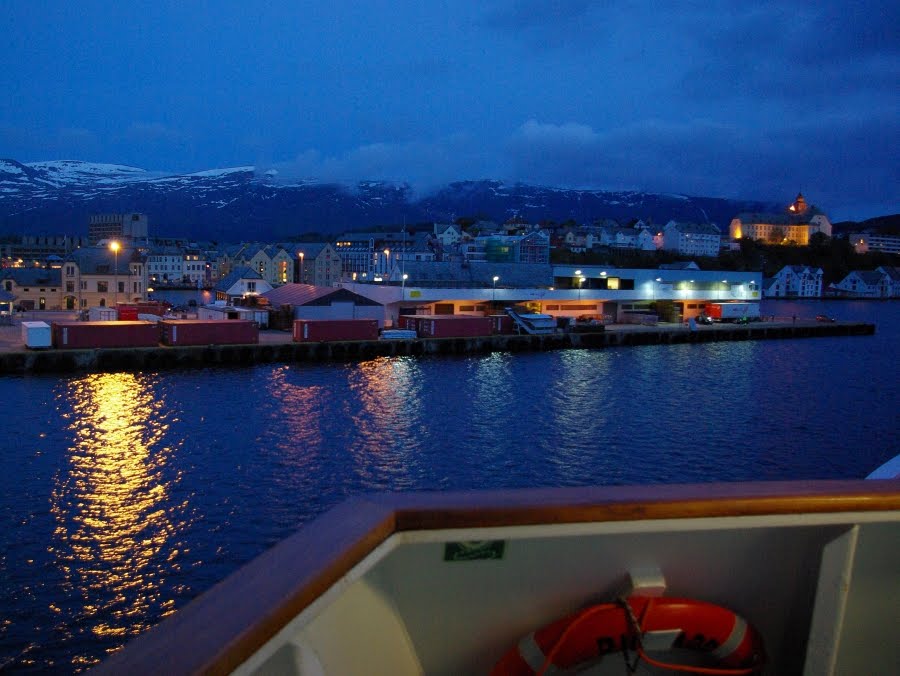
22	362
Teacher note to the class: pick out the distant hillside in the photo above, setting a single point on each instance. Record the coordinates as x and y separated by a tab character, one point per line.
885	225
232	204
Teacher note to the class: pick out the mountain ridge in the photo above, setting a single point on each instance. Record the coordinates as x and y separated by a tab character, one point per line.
227	204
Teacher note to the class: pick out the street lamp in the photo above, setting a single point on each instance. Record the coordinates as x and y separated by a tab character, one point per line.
387	260
115	246
580	285
494	290
301	255
403	286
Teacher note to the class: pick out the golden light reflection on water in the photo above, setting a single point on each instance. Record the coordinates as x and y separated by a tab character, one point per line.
302	415
111	507
387	420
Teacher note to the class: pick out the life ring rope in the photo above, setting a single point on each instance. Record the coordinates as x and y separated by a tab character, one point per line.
565	643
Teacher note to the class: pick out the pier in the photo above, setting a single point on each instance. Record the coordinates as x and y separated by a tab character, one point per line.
276	347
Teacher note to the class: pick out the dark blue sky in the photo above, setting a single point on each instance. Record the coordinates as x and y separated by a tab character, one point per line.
751	100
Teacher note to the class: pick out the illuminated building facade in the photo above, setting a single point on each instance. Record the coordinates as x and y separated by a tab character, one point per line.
33	288
795	225
98	277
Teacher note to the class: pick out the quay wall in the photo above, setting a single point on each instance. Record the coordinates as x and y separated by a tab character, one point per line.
160	358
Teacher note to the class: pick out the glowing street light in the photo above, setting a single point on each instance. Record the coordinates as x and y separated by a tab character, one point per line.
580	285
494	290
387	260
115	246
403	286
301	256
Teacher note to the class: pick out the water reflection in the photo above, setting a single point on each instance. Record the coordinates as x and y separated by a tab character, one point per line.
113	539
387	420
302	414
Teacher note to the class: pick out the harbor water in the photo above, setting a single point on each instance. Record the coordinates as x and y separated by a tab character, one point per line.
124	495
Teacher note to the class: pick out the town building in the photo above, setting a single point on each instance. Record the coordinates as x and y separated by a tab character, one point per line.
33	288
165	264
893	273
797	281
366	255
533	247
692	239
273	263
239	284
448	234
103	276
318	264
36	250
795	225
865	242
616	236
127	228
865	284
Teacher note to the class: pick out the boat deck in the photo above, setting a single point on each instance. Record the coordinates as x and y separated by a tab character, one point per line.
377	586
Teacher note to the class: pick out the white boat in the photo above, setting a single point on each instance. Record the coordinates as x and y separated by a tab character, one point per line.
532	323
449	583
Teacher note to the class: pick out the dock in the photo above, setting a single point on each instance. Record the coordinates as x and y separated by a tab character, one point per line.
276	347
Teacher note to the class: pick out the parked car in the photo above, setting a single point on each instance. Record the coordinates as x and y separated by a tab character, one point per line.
825	318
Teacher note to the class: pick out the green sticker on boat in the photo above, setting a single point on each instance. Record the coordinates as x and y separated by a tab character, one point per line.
473	550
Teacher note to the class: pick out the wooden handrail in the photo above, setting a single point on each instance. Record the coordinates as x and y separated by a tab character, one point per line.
220	629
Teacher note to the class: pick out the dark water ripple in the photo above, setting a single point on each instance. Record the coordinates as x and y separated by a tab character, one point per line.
122	496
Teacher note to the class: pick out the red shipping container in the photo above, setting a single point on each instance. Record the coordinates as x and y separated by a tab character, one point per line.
317	330
502	324
407	322
208	332
84	335
454	326
128	313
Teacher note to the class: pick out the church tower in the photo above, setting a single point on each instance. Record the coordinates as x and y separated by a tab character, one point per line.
798	206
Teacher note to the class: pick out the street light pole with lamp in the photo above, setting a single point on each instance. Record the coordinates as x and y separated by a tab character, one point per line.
301	255
115	246
494	290
403	286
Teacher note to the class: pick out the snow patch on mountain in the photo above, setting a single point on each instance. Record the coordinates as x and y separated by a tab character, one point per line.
223	172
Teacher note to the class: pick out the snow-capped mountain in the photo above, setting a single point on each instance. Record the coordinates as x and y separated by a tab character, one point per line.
237	203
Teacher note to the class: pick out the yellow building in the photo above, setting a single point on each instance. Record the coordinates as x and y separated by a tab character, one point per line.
33	288
102	277
795	225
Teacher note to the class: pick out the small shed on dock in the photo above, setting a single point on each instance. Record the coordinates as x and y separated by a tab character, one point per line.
324	302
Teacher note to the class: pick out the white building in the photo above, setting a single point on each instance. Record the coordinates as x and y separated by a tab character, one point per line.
165	264
864	242
799	281
894	274
558	290
692	239
447	233
621	237
866	284
240	283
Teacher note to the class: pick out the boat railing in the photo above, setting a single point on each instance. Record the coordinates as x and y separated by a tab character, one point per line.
224	627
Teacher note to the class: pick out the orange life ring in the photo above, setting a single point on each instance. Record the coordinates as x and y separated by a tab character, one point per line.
733	645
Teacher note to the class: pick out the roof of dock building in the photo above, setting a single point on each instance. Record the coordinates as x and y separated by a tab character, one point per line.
474	274
307	294
33	276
